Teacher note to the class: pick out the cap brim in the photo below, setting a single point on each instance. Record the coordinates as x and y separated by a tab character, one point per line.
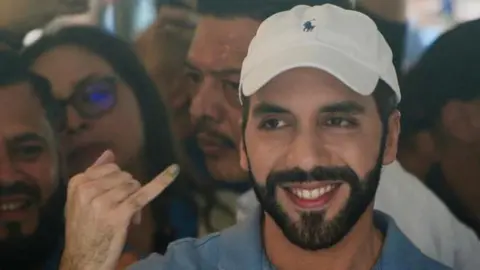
354	74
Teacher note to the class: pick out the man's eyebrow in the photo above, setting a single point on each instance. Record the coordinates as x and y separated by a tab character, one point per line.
27	137
190	66
219	72
350	107
267	108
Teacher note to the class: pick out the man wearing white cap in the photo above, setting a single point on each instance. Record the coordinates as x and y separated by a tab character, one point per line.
319	95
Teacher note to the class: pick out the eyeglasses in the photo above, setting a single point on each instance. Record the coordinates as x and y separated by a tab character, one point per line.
92	98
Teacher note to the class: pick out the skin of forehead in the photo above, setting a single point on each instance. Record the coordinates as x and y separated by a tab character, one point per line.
222	43
22	111
64	77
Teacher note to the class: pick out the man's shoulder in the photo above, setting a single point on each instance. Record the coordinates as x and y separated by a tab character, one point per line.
184	254
398	251
420	262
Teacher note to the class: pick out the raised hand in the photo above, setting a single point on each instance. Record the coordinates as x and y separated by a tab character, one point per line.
101	204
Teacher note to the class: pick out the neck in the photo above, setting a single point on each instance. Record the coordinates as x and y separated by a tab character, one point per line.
358	250
462	173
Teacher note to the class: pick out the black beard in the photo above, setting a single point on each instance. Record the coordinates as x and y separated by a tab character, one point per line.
32	251
313	232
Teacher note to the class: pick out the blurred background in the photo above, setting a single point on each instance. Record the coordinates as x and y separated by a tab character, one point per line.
128	18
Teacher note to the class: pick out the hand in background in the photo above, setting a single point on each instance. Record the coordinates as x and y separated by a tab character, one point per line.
101	204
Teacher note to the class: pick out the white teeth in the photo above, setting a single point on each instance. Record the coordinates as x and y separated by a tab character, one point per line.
10	206
311	194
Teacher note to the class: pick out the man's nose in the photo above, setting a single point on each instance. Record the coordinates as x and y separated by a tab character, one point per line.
8	170
75	123
307	152
206	101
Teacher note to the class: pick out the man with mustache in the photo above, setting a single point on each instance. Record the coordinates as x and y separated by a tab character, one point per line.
219	46
31	193
319	94
212	71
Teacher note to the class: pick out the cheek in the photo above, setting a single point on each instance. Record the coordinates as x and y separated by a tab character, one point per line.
264	156
359	151
45	174
234	116
123	125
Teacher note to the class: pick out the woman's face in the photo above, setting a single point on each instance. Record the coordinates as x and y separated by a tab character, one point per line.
102	112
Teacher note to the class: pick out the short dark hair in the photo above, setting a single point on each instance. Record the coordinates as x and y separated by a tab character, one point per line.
447	71
258	9
384	96
14	70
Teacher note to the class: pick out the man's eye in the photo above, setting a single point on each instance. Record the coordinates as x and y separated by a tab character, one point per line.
194	77
271	124
228	85
340	122
28	152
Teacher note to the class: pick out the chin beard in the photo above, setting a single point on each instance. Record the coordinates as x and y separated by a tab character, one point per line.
313	232
32	251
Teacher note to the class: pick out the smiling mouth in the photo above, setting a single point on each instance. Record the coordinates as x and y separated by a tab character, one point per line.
15	208
312	198
15	204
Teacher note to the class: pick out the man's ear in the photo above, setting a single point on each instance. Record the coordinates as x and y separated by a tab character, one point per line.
391	143
243	155
460	121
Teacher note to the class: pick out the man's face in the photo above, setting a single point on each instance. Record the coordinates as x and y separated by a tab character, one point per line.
315	149
213	71
28	169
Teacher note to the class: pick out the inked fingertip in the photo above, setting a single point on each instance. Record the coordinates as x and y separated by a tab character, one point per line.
173	170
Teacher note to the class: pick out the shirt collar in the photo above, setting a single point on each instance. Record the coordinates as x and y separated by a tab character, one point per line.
241	245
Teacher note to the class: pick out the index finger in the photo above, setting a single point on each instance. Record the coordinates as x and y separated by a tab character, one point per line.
147	193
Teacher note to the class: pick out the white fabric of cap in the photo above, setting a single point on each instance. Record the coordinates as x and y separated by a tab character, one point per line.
344	43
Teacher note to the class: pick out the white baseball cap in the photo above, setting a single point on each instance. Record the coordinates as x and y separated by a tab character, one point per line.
344	43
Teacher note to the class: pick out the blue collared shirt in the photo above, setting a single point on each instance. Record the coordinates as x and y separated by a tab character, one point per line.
239	248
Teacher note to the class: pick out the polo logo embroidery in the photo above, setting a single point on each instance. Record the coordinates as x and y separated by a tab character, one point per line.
308	26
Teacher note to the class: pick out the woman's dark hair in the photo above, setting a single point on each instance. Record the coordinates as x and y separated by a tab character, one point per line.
160	149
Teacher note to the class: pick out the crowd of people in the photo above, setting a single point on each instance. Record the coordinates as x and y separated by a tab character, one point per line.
241	135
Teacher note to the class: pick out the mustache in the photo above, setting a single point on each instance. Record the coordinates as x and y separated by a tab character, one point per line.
206	126
20	188
319	173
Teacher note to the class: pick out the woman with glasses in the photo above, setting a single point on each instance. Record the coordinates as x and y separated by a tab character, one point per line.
111	103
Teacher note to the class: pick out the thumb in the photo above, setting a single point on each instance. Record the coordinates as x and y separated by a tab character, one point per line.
105	158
